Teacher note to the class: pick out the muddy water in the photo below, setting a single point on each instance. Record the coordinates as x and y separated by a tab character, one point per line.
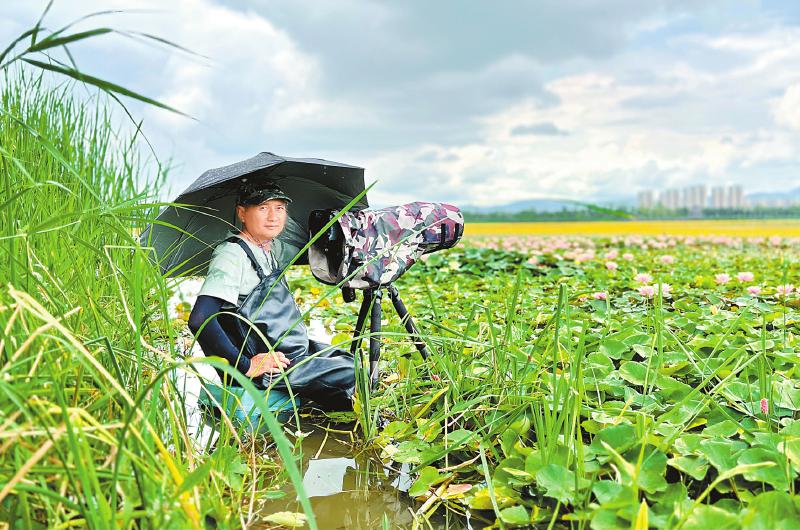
353	491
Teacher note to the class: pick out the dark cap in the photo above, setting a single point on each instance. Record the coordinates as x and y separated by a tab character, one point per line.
251	193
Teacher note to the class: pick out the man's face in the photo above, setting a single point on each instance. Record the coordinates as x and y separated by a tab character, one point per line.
265	220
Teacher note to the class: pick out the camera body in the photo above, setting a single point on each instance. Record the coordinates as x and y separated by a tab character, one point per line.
377	246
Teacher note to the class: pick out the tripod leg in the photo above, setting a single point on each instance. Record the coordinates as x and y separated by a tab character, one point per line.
407	321
374	339
362	318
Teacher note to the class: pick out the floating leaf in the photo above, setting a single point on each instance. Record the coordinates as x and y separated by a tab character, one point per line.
705	517
694	466
723	429
558	482
613	348
773	475
772	510
512	471
481	500
620	437
634	372
515	516
722	453
428	476
458	437
287	519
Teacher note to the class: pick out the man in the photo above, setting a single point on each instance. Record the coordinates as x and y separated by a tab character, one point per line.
315	370
262	211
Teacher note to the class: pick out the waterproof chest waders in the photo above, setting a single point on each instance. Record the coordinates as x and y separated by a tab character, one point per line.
318	371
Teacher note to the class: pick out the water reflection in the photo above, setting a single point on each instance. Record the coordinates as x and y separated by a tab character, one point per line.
351	490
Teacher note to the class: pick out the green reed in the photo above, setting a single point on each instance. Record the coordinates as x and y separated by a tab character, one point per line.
93	433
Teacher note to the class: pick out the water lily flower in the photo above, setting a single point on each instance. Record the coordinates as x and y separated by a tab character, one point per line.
651	290
643	278
600	295
611	265
627	256
647	291
667	258
754	290
722	278
666	288
745	276
784	290
612	254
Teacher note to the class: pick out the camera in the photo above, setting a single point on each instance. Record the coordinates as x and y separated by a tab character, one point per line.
370	249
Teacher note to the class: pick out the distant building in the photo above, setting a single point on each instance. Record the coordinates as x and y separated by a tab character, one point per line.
670	199
718	197
736	197
645	200
696	198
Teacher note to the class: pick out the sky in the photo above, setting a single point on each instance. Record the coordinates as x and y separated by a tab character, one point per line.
466	102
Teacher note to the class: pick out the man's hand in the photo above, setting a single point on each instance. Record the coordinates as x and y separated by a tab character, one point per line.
263	363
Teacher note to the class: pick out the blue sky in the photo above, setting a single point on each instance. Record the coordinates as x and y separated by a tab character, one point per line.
466	102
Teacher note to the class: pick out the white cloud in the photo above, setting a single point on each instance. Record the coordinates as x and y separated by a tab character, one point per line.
691	122
433	117
787	109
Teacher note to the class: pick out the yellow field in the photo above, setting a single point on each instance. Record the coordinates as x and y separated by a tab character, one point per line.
743	228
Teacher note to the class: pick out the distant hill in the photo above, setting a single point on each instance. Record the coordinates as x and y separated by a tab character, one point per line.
774	195
540	205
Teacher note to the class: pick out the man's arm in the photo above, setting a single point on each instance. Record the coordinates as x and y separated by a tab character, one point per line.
213	339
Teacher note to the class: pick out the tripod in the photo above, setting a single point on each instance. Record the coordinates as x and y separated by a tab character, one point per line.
373	297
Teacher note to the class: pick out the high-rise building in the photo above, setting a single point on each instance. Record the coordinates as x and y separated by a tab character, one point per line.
736	197
645	200
718	198
670	199
694	197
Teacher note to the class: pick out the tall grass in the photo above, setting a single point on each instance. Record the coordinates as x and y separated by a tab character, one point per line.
94	430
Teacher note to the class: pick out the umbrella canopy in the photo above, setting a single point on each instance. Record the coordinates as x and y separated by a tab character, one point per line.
210	207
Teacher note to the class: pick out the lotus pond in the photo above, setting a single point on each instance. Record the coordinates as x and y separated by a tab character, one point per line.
628	382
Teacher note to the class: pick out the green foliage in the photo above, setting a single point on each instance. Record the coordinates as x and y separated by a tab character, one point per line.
589	409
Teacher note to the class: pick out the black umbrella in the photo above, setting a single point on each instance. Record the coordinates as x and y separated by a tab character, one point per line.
312	183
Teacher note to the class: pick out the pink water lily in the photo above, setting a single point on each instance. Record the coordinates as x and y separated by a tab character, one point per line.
754	290
612	254
600	295
722	278
627	256
666	288
745	276
667	258
612	265
643	277
784	290
647	291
